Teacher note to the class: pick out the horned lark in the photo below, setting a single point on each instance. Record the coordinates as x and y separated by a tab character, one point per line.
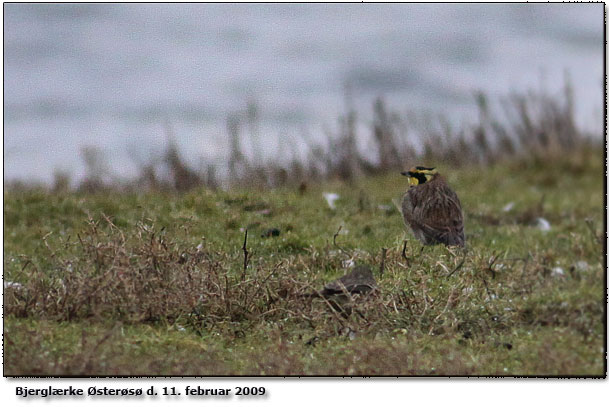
341	293
359	281
432	209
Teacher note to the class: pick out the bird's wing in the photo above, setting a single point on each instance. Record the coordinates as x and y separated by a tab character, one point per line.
359	280
443	218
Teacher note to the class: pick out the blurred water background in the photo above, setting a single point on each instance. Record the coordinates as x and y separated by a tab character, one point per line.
123	76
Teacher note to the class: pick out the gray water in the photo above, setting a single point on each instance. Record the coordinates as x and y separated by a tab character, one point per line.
117	76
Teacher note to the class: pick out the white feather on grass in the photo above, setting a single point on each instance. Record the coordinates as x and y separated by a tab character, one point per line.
331	199
543	224
13	285
508	207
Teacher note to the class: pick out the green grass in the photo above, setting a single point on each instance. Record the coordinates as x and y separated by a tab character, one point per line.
153	284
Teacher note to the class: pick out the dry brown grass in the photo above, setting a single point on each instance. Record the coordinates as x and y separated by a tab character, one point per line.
533	126
161	284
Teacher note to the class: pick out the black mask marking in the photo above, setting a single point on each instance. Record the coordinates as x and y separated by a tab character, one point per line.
419	176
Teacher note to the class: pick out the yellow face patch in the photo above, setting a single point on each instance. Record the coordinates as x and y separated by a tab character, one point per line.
420	175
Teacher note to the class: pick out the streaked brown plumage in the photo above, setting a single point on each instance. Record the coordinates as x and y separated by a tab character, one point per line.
340	294
358	281
432	209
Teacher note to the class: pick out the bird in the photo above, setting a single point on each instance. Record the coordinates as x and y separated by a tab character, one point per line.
358	281
432	209
339	293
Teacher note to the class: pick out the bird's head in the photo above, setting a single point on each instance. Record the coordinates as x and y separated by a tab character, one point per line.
420	175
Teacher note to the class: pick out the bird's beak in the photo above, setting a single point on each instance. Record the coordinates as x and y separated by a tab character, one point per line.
406	173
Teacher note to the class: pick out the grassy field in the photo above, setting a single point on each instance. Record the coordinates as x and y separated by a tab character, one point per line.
155	284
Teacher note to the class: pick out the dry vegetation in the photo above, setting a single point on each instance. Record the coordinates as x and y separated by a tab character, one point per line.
535	126
156	284
121	281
